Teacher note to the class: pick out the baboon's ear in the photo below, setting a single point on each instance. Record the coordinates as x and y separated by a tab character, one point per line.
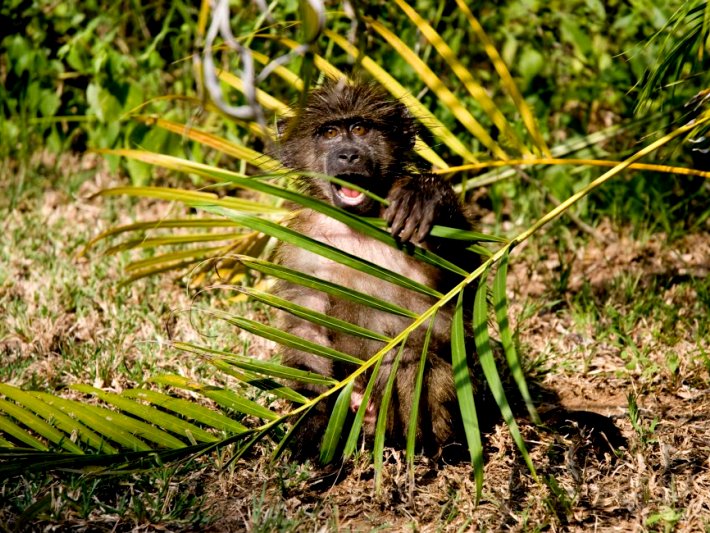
282	126
408	127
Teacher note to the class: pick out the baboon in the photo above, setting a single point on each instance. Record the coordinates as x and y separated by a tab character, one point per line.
358	133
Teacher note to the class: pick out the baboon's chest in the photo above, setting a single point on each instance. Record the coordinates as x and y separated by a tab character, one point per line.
341	237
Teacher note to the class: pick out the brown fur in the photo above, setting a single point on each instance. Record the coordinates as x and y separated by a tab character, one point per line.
327	137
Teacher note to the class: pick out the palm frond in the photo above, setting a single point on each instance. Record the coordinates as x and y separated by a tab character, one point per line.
466	393
331	438
150	430
474	88
490	371
383	415
500	306
684	40
143	427
462	114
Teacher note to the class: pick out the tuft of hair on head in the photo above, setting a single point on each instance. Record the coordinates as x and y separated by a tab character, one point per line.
341	100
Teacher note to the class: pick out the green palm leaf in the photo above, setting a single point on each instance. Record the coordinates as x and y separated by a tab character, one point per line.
416	398
500	305
315	317
152	415
333	289
331	438
488	364
290	236
38	425
98	419
382	417
368	227
188	409
356	427
62	421
465	392
223	397
12	430
263	367
226	364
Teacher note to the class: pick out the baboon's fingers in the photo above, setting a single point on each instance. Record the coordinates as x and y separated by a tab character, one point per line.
409	227
391	211
425	225
400	218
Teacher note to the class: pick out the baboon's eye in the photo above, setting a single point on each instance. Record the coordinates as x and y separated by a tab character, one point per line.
359	130
330	132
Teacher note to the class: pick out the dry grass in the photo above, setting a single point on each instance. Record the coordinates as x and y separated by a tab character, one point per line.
64	317
625	317
659	481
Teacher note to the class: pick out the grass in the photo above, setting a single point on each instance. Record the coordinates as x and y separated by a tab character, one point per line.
66	317
616	326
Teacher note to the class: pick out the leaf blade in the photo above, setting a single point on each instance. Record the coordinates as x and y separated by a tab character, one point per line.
331	438
189	409
381	425
485	356
63	421
500	304
306	280
154	416
286	234
313	316
465	394
39	426
264	367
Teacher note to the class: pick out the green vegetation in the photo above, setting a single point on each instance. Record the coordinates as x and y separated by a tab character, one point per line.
609	302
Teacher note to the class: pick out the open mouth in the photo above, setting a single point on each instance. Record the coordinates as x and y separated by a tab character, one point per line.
347	196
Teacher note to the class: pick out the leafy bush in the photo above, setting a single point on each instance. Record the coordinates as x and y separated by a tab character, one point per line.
73	70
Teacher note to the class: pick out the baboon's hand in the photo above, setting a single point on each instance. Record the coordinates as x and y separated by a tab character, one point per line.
416	204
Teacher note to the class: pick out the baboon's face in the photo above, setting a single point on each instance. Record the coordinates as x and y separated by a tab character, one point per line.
355	133
355	151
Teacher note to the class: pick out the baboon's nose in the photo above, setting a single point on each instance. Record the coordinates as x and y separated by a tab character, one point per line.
349	157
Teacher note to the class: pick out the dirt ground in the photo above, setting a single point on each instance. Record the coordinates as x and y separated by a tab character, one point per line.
658	480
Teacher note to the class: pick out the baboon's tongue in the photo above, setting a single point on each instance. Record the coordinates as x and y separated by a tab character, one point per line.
350	192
